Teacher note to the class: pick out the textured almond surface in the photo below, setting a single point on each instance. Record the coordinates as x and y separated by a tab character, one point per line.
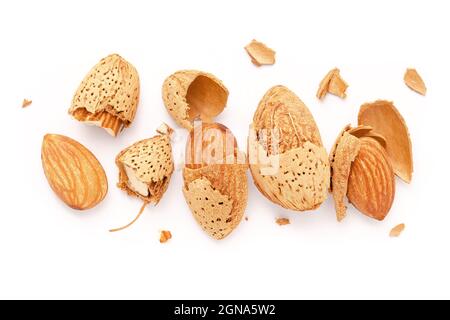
332	83
414	81
217	196
152	163
346	150
386	120
216	191
73	172
112	86
397	230
260	54
300	171
190	94
371	185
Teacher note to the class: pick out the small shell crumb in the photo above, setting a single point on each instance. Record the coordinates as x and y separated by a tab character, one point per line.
26	103
260	53
332	83
283	221
414	81
165	236
246	218
397	231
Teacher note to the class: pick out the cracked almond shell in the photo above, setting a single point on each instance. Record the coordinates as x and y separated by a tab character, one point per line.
190	94
386	120
415	82
145	168
288	162
108	96
215	192
361	171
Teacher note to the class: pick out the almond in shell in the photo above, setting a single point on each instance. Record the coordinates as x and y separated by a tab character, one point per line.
190	94
287	160
73	172
108	96
215	181
145	169
362	172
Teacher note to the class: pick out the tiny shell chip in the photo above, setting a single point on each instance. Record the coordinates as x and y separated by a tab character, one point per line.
386	120
283	221
397	231
165	236
189	95
26	103
332	83
414	81
108	96
260	53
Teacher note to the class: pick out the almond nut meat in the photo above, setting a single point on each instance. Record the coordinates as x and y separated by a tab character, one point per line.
108	96
190	94
386	120
215	180
362	172
145	169
73	172
287	160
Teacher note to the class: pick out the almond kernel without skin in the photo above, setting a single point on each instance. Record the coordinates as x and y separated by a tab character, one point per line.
73	172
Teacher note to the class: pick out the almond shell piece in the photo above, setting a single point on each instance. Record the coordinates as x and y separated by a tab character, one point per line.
191	94
217	196
108	95
260	54
415	82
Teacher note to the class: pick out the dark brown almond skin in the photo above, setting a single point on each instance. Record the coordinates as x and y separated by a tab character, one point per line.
371	185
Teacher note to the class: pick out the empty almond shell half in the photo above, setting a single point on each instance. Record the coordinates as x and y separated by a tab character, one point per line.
287	160
386	120
215	187
190	94
108	96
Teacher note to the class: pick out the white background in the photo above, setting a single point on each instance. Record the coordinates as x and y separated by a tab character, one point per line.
50	251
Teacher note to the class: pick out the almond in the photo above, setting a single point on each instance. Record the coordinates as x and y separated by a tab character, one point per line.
108	96
190	94
73	172
362	172
288	162
145	169
386	120
215	180
371	185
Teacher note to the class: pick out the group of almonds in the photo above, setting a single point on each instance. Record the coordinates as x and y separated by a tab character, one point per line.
290	168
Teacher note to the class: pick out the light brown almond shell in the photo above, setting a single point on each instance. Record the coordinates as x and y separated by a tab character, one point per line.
152	161
111	87
415	82
260	54
73	172
217	196
192	94
332	83
386	120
